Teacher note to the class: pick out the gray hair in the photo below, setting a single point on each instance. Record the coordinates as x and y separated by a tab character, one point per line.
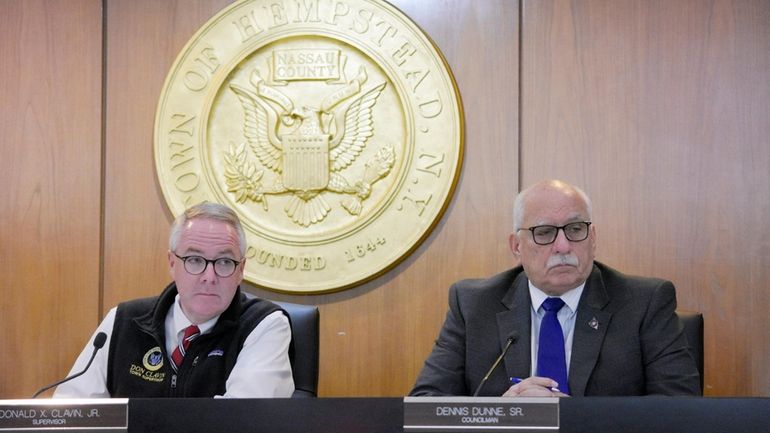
209	210
521	199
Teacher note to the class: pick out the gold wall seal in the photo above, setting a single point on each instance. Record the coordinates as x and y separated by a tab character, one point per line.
333	128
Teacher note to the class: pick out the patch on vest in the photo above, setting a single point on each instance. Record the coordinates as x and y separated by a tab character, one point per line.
216	352
152	361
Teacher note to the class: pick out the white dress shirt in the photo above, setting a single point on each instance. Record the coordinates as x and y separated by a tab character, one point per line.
566	316
262	369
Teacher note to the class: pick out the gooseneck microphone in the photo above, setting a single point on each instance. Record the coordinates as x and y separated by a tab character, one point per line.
513	337
99	341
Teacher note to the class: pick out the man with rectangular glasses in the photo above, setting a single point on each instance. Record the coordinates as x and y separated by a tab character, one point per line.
201	337
559	324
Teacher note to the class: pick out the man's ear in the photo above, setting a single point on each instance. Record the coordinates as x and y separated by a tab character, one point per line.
514	244
242	270
171	263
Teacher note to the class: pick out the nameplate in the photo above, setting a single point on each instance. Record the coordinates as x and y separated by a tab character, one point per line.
64	415
481	414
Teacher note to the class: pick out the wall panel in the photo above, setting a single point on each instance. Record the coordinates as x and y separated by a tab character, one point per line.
50	187
409	304
365	330
143	40
659	109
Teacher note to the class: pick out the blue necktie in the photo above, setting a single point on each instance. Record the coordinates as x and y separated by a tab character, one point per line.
551	360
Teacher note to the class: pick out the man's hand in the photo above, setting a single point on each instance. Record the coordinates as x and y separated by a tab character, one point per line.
535	387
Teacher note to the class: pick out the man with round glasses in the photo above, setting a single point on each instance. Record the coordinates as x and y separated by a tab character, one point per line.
201	337
566	324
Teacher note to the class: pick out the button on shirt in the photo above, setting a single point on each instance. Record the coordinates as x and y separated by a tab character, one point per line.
566	316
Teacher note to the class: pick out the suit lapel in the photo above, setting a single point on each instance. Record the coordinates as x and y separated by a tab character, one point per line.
516	319
590	328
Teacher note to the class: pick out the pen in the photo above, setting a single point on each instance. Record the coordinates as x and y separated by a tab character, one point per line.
515	380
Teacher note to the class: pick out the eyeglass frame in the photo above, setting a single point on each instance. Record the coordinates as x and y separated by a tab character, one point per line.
533	228
213	264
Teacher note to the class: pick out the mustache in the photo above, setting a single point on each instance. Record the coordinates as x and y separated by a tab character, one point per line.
561	259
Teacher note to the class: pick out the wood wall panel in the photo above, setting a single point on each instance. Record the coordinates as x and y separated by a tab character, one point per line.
50	187
472	237
143	40
375	338
659	109
365	330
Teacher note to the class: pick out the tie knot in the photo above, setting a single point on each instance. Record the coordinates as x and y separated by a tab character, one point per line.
190	332
553	304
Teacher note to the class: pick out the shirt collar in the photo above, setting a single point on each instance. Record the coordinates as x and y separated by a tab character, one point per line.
181	321
571	297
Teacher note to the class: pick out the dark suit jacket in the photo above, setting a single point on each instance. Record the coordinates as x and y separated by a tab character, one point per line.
637	348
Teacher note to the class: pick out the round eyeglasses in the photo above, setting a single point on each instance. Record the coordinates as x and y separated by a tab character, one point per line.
574	232
196	265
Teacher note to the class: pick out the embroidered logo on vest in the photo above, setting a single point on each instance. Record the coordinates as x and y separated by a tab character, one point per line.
152	361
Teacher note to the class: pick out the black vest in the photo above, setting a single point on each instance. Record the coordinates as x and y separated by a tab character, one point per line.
139	366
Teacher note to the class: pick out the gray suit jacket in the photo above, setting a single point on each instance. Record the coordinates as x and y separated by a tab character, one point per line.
635	346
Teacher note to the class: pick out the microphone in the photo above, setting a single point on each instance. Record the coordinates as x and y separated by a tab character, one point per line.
99	341
513	337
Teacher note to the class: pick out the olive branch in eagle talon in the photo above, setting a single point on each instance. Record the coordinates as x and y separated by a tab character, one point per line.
243	178
307	147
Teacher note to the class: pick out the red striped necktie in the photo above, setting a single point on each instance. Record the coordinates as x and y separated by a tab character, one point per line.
190	334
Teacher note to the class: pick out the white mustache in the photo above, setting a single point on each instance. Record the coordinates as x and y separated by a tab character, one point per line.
562	259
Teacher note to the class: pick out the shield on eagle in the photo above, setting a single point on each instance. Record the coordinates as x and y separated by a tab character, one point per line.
305	161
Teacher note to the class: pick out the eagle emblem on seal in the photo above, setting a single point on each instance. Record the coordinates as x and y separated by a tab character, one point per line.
308	148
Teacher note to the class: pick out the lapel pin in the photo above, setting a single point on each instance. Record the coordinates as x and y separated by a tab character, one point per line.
593	323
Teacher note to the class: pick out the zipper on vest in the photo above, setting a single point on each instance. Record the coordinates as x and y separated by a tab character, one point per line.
195	361
173	381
